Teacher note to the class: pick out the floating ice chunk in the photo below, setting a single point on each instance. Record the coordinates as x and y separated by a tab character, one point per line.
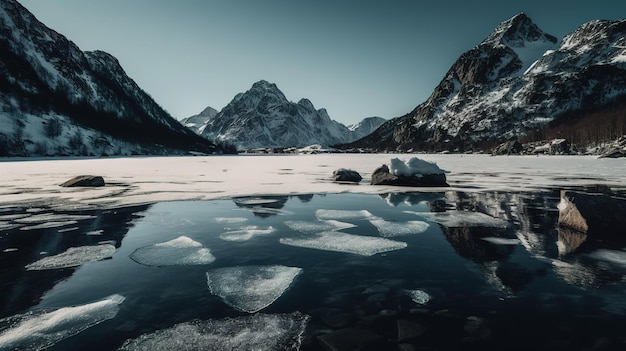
342	214
390	229
48	225
72	257
262	332
246	233
230	220
419	296
413	166
179	251
10	249
95	232
613	256
348	243
459	219
319	226
39	330
251	288
501	241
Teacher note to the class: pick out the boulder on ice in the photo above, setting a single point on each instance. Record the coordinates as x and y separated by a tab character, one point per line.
84	181
346	175
414	172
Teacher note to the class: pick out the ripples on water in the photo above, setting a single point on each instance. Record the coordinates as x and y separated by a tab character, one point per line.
449	270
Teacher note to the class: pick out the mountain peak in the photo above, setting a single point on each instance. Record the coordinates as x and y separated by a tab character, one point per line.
516	32
264	85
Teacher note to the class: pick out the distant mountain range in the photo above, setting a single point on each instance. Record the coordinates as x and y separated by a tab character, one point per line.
517	82
262	117
58	100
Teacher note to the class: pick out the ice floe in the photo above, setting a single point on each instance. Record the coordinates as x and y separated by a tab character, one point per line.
389	229
72	257
458	219
312	227
251	288
613	256
261	332
230	220
342	214
501	241
41	329
246	233
179	251
419	296
342	242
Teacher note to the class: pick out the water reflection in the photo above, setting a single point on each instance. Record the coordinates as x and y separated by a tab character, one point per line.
20	288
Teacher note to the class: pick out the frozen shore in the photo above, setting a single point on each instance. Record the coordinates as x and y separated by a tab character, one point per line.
141	180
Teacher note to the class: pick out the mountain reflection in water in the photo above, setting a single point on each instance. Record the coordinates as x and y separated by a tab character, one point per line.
494	266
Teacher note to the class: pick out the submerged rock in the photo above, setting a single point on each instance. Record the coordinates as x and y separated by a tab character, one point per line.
84	181
346	175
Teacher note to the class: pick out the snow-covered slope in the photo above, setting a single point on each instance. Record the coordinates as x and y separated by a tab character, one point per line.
366	127
516	80
262	117
46	79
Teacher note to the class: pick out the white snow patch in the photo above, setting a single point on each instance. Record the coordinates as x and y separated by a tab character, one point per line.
413	166
347	243
179	251
72	257
42	329
260	332
251	288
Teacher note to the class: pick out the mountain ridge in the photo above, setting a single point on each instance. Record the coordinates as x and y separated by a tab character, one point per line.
515	81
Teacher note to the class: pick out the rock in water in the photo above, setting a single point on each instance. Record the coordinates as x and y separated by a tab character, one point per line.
592	213
84	181
346	175
415	173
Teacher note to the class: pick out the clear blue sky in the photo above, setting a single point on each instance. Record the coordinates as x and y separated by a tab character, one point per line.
355	58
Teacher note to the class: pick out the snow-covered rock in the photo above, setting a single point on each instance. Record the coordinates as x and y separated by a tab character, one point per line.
411	172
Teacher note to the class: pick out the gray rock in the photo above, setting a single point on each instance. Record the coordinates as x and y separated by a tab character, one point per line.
512	147
382	176
592	213
346	175
84	181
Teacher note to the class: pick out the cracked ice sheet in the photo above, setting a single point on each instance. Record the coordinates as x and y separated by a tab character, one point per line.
347	243
261	332
41	329
72	257
246	233
307	227
176	252
459	219
388	229
251	288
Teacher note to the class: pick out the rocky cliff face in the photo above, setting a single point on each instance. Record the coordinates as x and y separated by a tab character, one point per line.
516	80
46	79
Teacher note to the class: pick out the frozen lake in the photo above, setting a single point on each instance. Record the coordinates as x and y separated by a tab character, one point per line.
265	252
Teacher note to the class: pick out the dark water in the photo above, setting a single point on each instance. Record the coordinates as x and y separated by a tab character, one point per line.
492	272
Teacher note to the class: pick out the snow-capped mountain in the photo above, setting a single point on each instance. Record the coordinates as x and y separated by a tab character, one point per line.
57	99
198	122
516	80
262	117
366	127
